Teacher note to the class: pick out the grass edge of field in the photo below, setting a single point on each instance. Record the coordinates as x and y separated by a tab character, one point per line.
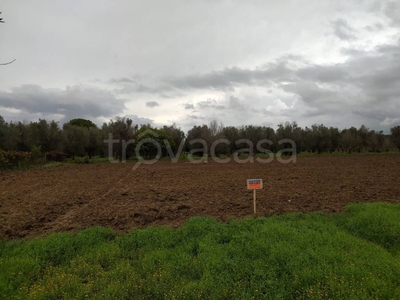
194	158
355	253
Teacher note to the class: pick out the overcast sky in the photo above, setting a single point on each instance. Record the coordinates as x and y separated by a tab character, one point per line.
189	62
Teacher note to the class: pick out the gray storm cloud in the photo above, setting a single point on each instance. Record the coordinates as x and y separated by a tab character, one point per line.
343	30
72	102
152	104
243	63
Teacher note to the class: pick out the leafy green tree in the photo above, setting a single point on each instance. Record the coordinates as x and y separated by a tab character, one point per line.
82	123
376	141
122	129
4	133
216	133
345	141
395	136
232	135
290	131
22	137
94	142
75	140
322	138
363	134
307	139
177	136
44	134
151	140
199	132
335	138
350	140
251	133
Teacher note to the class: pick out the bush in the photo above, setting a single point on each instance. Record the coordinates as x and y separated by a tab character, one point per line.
80	160
37	157
3	158
57	156
14	159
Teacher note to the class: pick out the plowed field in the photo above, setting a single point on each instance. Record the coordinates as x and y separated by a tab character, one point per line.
68	198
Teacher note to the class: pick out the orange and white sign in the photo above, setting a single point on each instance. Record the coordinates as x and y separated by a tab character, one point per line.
254	184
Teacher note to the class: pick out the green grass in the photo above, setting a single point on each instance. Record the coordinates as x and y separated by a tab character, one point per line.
353	255
186	157
52	164
98	159
340	153
77	160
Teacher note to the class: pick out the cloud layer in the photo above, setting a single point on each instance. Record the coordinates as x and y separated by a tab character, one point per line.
72	102
191	62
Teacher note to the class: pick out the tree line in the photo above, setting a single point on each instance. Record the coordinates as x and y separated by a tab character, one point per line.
315	139
81	137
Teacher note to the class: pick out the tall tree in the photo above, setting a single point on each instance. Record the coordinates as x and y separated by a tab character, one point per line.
216	130
82	123
232	135
94	135
75	140
177	136
44	134
4	129
363	133
95	143
152	138
202	133
395	136
122	130
376	141
289	131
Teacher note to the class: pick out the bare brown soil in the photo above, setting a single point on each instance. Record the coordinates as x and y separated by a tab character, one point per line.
69	198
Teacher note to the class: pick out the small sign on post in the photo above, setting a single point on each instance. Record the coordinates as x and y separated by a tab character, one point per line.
254	184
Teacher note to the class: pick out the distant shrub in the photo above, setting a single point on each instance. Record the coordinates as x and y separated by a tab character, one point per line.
14	159
3	159
79	160
37	157
57	156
